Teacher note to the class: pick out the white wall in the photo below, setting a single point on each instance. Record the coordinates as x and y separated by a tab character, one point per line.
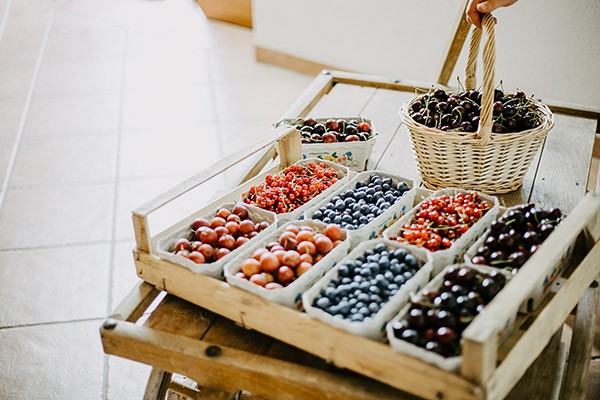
548	48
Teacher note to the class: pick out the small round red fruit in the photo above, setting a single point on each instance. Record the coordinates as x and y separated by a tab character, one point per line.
285	275
232	227
259	252
223	213
197	257
208	252
222	252
227	241
329	138
217	221
291	258
307	258
273	285
307	247
364	127
292	228
332	125
240	241
324	245
258	279
221	231
200	222
207	235
182	244
269	262
352	138
334	232
302	268
241	211
246	227
234	218
262	226
303	236
251	267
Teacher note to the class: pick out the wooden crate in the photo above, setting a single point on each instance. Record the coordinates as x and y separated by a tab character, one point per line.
489	371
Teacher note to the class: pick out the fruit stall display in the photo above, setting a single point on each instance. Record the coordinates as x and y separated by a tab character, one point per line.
368	287
288	261
367	205
348	141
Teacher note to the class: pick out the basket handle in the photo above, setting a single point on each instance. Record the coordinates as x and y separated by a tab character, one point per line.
484	132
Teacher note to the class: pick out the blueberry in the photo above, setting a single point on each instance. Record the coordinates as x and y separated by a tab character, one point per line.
335	282
364	310
382	282
349	193
373	258
337	220
352	302
340	205
360	196
377	196
366	272
354	285
388	275
380	247
349	201
358	279
317	215
400	254
399	280
385	205
359	305
345	307
402	187
322	303
326	220
353	310
411	261
347	219
393	287
368	252
373	307
346	281
364	286
403	268
390	198
375	298
364	209
384	263
369	198
343	270
373	289
370	192
363	220
330	292
385	187
407	275
378	187
330	206
371	216
374	267
357	317
344	290
363	297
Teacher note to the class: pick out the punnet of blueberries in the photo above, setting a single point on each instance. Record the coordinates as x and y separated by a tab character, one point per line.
363	286
516	236
355	208
460	112
437	318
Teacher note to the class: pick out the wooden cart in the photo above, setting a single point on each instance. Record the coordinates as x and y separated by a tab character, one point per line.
208	342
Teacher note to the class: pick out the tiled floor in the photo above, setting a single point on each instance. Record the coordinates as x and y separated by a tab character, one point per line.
103	105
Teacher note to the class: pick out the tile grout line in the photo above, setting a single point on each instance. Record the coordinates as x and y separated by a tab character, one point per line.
24	114
70	321
109	305
5	18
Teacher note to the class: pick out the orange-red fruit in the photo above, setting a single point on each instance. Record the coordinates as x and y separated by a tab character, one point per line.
334	232
279	254
200	222
324	245
262	226
240	241
318	258
208	252
241	210
252	234
285	236
302	268
227	241
222	252
221	231
197	257
217	221
183	253
207	235
307	258
336	243
258	279
182	244
232	227
285	275
292	228
246	227
269	277
196	245
241	275
270	245
307	248
305	236
234	218
259	252
223	213
290	244
251	267
269	262
273	285
291	258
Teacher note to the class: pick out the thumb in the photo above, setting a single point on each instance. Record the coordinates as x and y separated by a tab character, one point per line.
487	6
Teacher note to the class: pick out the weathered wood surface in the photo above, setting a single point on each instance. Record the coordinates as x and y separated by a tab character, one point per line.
562	163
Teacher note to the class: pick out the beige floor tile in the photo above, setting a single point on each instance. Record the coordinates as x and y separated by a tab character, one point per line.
252	100
65	159
124	276
56	216
6	148
153	72
10	116
73	114
126	379
21	46
52	362
167	108
74	77
16	80
101	43
242	133
57	284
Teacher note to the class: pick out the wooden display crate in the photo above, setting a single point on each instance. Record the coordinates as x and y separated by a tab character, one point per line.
489	370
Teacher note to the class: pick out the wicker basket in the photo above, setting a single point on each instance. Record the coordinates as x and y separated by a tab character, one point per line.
484	161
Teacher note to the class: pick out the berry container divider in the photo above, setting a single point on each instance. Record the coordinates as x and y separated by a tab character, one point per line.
342	175
451	364
165	240
452	255
372	328
290	295
545	284
354	155
375	228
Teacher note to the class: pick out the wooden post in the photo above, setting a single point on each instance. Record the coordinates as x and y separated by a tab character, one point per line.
454	46
290	149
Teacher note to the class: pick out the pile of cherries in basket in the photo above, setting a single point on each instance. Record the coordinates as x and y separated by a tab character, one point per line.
334	130
436	319
214	239
291	188
460	112
354	209
364	285
441	220
282	262
516	236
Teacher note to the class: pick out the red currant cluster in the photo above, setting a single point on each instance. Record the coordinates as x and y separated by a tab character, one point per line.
291	188
442	220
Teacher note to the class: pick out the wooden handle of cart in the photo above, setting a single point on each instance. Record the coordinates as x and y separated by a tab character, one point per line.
290	151
480	347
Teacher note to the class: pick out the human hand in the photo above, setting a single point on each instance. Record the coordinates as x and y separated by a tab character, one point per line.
484	6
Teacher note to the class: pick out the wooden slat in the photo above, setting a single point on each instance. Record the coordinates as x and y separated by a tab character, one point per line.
405	373
290	149
320	86
459	35
399	158
379	82
136	302
576	378
174	315
269	155
226	368
342	101
289	61
561	183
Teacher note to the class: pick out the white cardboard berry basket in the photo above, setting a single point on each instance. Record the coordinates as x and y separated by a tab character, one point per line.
342	173
545	284
378	225
166	240
452	255
374	327
451	364
354	155
290	295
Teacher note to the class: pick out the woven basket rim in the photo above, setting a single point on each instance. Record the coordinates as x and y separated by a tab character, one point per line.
471	137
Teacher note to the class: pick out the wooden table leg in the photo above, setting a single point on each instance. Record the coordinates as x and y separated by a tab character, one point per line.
576	378
158	384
